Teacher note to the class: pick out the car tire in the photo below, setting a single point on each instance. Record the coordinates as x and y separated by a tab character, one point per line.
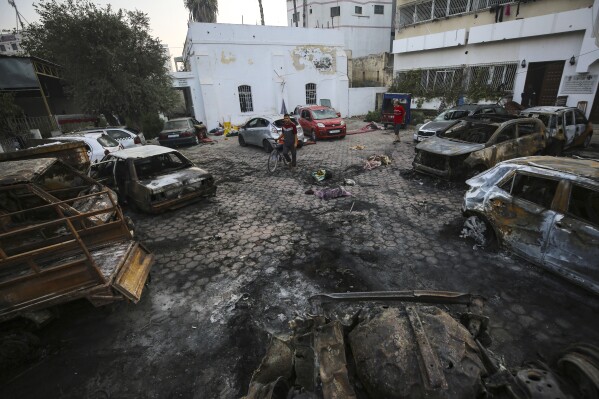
267	146
479	229
342	137
242	141
587	141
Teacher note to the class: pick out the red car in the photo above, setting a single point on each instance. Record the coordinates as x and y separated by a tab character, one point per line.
321	122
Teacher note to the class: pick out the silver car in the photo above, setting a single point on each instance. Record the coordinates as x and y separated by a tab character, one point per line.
544	209
126	136
260	130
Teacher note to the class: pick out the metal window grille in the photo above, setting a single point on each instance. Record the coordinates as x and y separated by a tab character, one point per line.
245	98
311	93
427	10
335	11
358	10
378	9
296	16
500	76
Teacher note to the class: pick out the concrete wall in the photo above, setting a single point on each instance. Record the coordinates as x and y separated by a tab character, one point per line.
362	99
372	71
364	34
276	62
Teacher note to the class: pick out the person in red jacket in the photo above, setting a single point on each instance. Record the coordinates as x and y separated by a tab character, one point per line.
398	116
289	136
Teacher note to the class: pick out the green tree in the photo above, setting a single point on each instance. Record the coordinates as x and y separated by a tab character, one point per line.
109	60
202	10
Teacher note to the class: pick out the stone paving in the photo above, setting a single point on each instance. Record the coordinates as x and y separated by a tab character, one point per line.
237	267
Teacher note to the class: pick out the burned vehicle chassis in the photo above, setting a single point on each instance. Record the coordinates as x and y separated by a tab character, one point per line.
397	350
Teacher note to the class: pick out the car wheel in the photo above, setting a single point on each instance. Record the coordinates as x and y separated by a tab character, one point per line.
477	228
267	146
342	137
242	141
587	141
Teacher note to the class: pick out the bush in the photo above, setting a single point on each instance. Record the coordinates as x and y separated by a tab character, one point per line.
151	125
373	116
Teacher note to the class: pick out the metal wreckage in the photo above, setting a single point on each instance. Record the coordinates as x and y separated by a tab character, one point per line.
398	345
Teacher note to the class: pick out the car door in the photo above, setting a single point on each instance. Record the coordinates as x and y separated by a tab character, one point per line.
581	124
530	137
573	243
264	130
521	210
251	131
504	144
570	126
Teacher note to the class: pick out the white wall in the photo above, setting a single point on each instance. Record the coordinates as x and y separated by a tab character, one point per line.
364	34
363	99
276	62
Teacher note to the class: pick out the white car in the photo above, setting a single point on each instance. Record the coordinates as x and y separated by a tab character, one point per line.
97	144
126	136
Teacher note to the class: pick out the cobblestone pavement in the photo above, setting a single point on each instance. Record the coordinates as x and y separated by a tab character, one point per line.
237	267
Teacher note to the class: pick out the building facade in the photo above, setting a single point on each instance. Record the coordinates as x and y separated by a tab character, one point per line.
235	72
366	25
540	52
10	43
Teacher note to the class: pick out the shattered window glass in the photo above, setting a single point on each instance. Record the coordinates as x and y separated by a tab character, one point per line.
537	190
160	164
584	204
569	118
508	133
526	128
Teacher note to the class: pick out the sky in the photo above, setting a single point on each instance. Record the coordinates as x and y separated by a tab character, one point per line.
168	18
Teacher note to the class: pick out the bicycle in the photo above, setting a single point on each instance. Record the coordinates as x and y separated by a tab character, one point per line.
275	156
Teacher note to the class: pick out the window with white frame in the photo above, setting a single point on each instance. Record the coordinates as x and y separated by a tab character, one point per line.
311	93
245	98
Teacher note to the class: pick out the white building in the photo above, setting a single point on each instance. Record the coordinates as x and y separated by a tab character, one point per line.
10	43
545	51
366	25
235	72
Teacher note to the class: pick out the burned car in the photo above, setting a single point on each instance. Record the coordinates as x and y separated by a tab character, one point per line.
565	126
544	209
63	237
154	178
398	345
474	145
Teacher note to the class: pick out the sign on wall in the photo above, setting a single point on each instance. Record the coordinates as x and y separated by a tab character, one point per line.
579	84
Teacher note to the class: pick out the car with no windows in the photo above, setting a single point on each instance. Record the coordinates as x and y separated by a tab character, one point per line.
474	145
154	179
544	209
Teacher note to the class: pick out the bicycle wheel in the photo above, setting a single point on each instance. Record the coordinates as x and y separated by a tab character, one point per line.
273	160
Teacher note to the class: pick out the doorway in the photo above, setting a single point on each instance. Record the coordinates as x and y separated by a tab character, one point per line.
542	83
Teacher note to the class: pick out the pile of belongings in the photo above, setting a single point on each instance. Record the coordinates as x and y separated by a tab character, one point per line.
321	174
374	161
329	193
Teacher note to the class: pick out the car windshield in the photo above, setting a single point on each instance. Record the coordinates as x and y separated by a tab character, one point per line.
324	113
548	120
451	114
279	122
469	132
107	141
147	168
175	125
132	130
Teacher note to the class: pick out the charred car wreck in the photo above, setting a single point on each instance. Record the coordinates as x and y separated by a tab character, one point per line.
474	145
154	179
63	237
544	209
395	347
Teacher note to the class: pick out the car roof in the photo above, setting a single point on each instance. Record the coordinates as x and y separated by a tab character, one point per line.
142	152
472	107
92	134
545	109
180	119
316	107
579	167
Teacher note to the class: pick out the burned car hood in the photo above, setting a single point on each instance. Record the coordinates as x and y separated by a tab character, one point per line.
437	145
175	180
438	126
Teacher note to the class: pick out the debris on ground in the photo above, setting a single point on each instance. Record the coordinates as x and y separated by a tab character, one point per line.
357	147
374	161
329	193
370	127
349	182
322	174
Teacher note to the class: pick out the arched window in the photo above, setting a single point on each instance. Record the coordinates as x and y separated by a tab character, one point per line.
245	98
311	93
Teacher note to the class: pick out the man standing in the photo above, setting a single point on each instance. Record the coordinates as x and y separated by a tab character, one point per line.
398	115
289	135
